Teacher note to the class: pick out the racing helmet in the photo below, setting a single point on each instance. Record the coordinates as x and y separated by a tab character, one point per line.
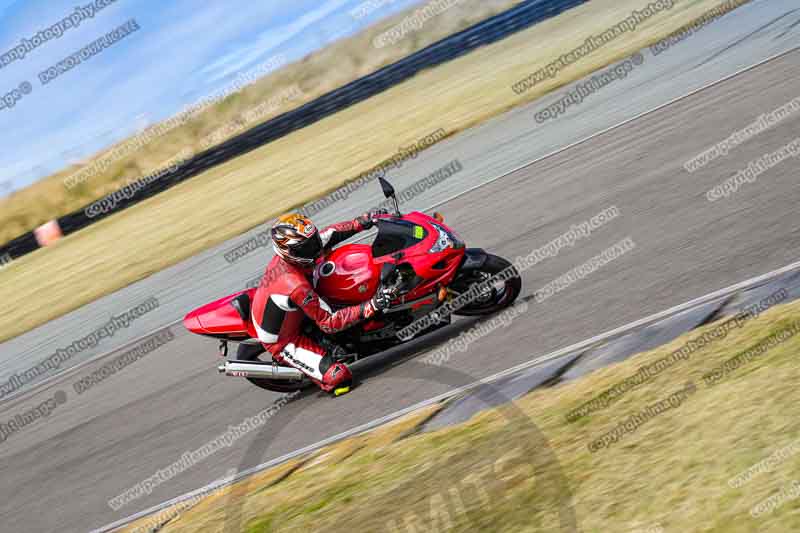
296	239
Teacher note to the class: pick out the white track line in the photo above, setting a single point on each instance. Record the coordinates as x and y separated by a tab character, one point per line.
450	199
369	426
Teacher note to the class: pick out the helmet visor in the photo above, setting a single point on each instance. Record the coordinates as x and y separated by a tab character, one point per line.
310	249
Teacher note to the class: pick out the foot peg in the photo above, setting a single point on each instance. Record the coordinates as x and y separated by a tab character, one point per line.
346	358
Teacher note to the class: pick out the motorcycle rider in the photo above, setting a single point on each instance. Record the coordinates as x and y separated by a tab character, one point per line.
285	297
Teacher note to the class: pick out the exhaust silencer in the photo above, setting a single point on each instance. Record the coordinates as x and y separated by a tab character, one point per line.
249	369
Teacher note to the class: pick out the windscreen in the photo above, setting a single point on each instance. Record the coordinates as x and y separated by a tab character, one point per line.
396	235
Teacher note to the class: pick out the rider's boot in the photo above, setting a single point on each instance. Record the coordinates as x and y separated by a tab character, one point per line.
328	373
337	380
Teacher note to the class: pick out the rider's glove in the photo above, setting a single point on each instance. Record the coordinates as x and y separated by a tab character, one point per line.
382	300
367	220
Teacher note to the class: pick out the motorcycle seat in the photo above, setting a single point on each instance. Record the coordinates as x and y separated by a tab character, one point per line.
242	305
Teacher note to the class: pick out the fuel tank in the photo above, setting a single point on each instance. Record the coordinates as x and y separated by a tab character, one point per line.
348	275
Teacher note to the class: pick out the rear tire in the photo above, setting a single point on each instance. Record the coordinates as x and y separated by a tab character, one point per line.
277	386
501	295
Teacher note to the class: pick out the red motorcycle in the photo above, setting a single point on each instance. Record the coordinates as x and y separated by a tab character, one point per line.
423	261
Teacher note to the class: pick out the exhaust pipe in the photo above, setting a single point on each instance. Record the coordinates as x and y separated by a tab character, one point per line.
249	369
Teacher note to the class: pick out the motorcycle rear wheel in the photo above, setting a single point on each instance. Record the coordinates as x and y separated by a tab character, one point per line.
277	386
500	295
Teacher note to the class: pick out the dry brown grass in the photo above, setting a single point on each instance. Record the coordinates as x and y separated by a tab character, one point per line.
673	471
207	210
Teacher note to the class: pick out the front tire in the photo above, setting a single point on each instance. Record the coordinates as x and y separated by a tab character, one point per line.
498	296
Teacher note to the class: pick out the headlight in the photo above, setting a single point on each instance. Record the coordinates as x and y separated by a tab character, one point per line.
444	240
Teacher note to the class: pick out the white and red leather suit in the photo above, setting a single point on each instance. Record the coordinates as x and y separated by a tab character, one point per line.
285	298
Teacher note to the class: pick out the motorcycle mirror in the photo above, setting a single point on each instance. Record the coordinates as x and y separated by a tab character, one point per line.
388	192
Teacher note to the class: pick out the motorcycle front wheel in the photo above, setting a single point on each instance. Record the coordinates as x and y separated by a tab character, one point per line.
495	296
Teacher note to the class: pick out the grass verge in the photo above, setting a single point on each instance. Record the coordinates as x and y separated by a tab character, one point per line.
207	210
673	472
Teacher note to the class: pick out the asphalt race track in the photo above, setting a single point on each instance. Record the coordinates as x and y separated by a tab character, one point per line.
140	420
745	37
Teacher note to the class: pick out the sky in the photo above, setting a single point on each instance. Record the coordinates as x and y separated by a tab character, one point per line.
182	51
